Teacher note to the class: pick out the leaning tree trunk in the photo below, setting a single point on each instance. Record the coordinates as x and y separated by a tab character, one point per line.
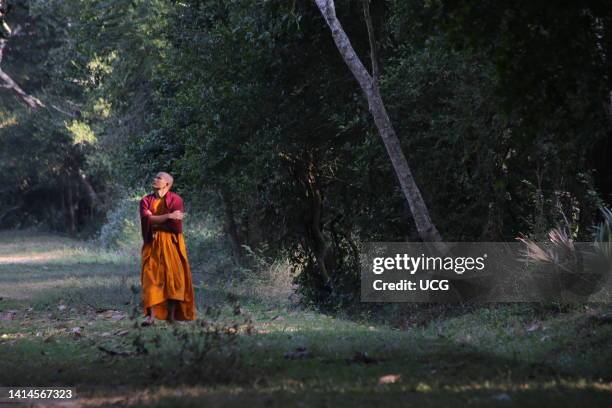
369	84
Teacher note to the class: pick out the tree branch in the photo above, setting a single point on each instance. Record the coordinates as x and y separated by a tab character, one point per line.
5	80
372	39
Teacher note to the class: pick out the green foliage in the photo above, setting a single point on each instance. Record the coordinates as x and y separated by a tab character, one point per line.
502	112
122	227
58	172
602	234
444	112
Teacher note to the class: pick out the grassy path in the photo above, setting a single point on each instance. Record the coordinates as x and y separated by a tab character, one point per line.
65	313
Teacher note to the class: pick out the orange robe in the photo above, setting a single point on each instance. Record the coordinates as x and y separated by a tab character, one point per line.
165	272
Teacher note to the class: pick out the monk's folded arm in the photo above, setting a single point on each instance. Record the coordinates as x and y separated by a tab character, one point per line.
159	219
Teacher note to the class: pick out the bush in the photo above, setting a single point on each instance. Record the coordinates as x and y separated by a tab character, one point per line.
205	351
122	228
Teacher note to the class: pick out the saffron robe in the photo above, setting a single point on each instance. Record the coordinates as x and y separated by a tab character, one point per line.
173	202
165	272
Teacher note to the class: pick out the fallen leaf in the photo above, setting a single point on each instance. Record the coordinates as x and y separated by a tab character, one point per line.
422	387
8	315
502	397
112	314
76	331
389	379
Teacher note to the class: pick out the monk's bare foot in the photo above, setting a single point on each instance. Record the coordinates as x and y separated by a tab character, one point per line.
171	311
149	321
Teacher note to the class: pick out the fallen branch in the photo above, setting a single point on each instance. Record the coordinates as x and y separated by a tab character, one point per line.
115	352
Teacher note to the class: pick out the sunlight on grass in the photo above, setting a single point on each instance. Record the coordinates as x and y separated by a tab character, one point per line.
38	268
19	247
63	299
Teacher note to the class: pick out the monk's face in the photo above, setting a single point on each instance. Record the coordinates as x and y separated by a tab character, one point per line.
160	181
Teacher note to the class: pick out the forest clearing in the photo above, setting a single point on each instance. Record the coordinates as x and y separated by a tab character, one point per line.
66	309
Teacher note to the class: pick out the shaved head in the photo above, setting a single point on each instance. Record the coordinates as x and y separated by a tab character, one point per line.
167	177
162	181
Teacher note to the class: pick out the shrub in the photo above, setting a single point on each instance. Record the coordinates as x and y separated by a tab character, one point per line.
122	228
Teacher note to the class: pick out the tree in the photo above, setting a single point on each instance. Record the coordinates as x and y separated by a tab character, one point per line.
369	84
5	80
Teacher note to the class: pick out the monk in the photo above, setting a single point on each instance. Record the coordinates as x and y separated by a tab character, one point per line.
167	291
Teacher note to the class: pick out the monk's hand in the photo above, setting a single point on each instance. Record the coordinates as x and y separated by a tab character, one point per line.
148	212
176	215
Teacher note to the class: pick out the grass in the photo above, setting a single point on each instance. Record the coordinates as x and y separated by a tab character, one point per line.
68	300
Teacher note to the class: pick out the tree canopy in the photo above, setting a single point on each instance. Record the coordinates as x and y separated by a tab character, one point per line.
503	111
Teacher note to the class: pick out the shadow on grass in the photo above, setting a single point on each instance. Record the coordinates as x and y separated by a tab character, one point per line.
436	373
342	366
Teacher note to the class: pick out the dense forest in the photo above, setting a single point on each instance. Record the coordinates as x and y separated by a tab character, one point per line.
503	111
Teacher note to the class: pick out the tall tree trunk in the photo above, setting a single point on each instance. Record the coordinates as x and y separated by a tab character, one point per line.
92	196
320	247
231	228
369	85
71	214
63	207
